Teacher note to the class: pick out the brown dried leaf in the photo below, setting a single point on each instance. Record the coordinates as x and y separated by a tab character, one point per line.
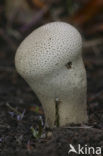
38	3
83	15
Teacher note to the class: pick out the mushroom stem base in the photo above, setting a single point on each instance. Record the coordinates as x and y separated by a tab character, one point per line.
68	112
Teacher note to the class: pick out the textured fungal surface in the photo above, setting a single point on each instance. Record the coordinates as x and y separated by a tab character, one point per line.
48	48
49	59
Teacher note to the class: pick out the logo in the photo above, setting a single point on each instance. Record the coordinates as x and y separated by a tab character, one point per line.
84	150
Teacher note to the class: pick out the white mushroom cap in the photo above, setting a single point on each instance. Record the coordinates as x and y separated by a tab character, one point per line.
48	48
43	59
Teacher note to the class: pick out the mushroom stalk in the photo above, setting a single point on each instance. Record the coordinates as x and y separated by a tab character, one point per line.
50	60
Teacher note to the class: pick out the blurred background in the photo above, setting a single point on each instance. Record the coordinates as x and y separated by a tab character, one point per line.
19	17
20	108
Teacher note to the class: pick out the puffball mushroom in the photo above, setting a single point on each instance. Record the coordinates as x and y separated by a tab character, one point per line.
50	61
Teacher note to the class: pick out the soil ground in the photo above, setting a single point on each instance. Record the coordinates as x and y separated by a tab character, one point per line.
21	113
